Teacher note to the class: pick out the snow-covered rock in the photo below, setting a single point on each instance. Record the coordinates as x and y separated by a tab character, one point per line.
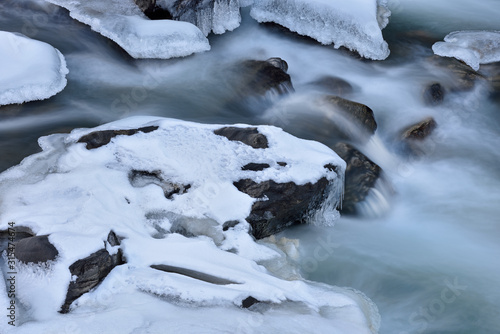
216	16
184	268
29	69
354	24
123	22
472	47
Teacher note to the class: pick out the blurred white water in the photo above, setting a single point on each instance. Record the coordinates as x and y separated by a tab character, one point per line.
429	259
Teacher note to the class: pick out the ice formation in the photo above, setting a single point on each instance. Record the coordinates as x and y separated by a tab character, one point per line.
77	195
472	47
217	16
30	70
354	24
123	22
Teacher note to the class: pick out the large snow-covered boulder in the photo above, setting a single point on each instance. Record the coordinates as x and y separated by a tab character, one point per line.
123	22
29	69
472	47
180	254
354	24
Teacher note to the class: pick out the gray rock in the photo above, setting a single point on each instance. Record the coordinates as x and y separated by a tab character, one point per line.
434	94
286	203
257	77
35	249
91	271
464	77
97	139
14	234
193	274
333	85
419	131
255	167
360	176
248	136
140	179
151	10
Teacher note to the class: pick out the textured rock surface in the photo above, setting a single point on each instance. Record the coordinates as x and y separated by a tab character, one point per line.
248	136
257	77
419	131
360	176
35	249
281	204
100	138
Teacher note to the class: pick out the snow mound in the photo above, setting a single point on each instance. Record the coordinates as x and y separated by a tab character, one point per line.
123	22
30	70
78	195
354	24
472	47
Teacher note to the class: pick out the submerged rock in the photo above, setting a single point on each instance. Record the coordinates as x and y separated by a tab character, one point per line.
91	271
248	136
434	94
333	85
464	77
412	136
360	177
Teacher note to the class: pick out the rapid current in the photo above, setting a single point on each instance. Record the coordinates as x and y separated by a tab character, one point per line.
426	251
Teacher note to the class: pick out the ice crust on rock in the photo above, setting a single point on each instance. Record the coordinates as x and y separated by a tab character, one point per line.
29	69
78	195
354	24
472	47
123	22
217	16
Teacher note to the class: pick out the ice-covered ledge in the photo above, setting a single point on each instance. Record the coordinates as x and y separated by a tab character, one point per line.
156	199
29	69
354	24
123	22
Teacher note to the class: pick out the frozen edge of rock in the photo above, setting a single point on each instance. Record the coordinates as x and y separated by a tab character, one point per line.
38	88
472	47
124	23
331	23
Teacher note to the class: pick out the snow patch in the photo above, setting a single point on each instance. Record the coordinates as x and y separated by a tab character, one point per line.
354	24
472	47
123	22
30	69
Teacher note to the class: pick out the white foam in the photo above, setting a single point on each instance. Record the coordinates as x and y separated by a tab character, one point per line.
78	195
472	47
124	23
30	70
354	24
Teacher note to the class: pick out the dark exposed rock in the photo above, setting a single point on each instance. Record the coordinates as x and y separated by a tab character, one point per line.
100	138
229	224
248	136
333	85
360	176
91	271
35	249
193	274
434	94
255	167
14	234
419	131
282	164
257	77
286	203
151	10
249	301
139	178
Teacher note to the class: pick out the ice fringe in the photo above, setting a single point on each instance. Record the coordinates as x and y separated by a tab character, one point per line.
354	24
30	69
472	47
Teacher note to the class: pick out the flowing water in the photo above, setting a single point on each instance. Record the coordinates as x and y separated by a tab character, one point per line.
428	253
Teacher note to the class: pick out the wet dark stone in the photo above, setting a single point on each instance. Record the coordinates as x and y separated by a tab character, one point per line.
257	77
249	301
333	85
287	203
139	178
14	234
360	176
248	136
255	167
229	224
97	139
193	274
91	271
434	94
152	11
465	77
35	249
358	113
282	164
419	131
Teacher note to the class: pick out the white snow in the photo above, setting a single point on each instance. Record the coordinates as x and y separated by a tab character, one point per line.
354	24
123	22
77	196
29	69
472	47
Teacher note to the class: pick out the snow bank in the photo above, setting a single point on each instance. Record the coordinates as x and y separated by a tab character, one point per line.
472	47
354	24
30	70
77	196
123	22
